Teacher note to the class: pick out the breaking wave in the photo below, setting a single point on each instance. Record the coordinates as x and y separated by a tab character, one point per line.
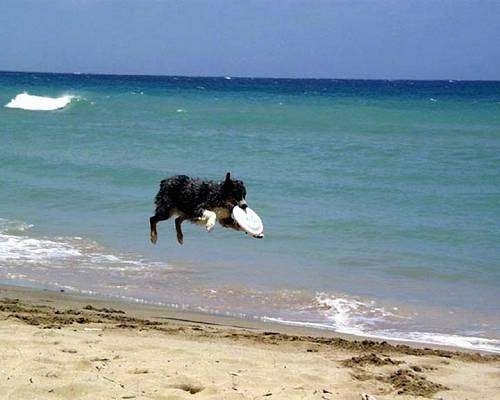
355	317
30	102
55	260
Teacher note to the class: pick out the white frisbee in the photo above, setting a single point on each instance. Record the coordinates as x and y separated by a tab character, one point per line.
249	221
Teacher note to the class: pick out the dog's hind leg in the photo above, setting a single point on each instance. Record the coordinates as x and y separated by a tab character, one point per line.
178	222
159	216
153	234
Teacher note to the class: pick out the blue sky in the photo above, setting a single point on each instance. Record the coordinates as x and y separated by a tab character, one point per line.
393	39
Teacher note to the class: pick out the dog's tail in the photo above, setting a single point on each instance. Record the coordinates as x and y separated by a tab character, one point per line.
161	192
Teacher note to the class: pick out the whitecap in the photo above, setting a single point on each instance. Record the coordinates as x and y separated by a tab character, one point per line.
30	250
27	101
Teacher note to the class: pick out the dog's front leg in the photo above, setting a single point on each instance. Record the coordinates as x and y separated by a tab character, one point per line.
209	217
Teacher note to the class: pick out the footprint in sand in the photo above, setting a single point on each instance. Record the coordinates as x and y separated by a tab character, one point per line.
70	351
187	384
52	374
187	387
139	371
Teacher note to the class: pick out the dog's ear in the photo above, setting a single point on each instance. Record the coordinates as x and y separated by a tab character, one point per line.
228	177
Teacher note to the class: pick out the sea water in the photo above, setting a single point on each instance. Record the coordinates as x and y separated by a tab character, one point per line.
380	199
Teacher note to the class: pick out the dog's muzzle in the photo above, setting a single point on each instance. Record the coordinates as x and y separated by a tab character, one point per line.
242	204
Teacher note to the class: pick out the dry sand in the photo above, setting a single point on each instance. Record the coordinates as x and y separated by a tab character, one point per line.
59	346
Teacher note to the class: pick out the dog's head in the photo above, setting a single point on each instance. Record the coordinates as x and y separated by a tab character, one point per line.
234	191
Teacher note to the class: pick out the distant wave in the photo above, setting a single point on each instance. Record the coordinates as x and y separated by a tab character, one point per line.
27	101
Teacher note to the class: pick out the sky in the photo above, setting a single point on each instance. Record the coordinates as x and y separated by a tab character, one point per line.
372	39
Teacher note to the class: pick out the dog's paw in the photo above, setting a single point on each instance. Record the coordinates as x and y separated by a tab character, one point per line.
180	239
153	237
210	225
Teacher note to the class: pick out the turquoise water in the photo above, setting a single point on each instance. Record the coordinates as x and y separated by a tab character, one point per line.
380	199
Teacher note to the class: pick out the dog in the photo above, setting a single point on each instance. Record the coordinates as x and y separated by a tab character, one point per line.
199	201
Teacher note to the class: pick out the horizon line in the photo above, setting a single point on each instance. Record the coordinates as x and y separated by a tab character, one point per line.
229	77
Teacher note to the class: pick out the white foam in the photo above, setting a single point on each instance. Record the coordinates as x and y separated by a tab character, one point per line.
350	315
355	317
360	318
20	248
465	342
344	315
27	101
16	248
9	226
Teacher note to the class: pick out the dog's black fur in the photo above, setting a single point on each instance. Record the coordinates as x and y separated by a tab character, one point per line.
193	199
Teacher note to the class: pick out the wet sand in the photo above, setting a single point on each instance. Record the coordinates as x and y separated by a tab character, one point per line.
62	346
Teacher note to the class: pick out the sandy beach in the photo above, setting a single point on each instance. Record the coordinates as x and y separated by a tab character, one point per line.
61	346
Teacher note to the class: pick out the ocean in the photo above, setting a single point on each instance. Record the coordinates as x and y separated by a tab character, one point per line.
380	199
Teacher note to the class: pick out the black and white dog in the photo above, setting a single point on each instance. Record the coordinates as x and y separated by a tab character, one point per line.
199	201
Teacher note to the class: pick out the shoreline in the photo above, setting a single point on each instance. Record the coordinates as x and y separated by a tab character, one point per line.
144	310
